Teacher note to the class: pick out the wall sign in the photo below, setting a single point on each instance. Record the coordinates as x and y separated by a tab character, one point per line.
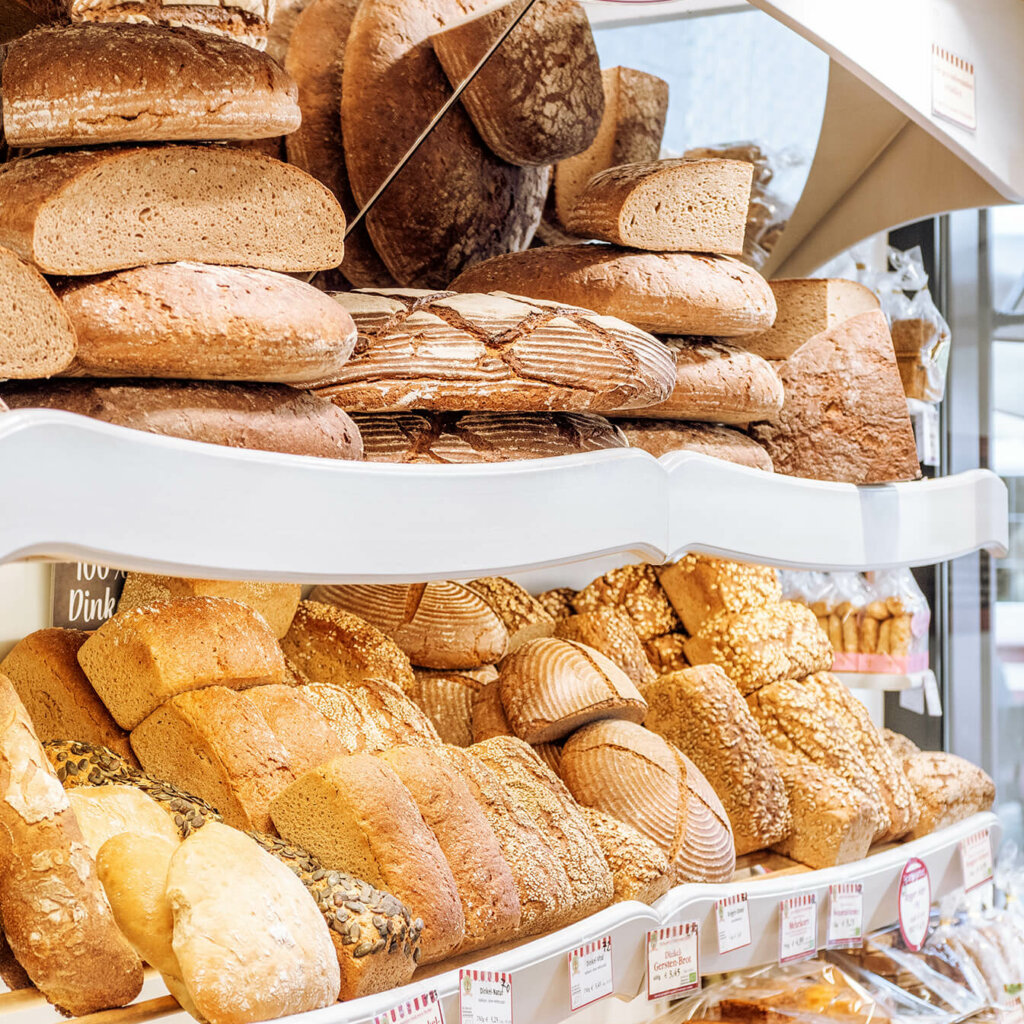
84	595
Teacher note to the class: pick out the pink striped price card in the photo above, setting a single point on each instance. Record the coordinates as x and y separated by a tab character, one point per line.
485	997
590	973
845	916
976	859
798	928
673	965
732	915
424	1009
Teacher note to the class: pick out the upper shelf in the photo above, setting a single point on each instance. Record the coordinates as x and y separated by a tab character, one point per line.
94	492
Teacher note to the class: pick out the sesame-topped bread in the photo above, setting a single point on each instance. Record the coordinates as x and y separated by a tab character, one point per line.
640	870
636	591
557	602
144	656
666	652
608	630
524	616
447	700
901	746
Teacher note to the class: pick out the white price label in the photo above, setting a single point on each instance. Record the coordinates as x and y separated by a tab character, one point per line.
845	916
915	903
485	997
590	973
976	859
424	1009
673	965
798	928
733	917
953	96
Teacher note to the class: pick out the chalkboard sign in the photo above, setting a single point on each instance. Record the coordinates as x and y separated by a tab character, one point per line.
84	595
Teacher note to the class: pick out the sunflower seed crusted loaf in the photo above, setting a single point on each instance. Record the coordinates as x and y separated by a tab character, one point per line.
636	591
447	700
609	631
640	870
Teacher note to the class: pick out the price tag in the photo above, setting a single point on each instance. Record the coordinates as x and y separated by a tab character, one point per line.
953	88
590	973
845	916
673	965
733	917
976	859
915	903
485	997
798	928
1012	1011
424	1009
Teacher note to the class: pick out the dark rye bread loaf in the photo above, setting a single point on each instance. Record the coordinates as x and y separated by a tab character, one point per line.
444	351
659	437
75	85
266	417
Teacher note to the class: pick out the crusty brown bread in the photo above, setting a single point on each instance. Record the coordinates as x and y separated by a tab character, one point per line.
659	437
144	656
488	717
297	724
636	591
901	746
93	211
640	870
524	616
446	697
558	602
666	652
609	631
948	789
80	85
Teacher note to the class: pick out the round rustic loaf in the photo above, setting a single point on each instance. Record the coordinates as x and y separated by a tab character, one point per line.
446	698
607	629
659	437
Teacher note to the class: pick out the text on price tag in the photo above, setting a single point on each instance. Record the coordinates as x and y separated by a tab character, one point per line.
976	859
733	916
914	903
424	1009
485	997
673	965
845	916
1011	1011
590	973
798	928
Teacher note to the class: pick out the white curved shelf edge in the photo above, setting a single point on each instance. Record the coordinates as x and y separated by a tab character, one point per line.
141	501
886	682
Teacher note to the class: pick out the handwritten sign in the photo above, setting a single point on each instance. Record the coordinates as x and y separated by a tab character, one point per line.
914	903
84	595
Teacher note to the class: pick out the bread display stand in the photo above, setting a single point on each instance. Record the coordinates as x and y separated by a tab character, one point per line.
888	682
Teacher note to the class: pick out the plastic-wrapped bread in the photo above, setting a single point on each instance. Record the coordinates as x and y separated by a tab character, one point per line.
609	631
636	591
640	870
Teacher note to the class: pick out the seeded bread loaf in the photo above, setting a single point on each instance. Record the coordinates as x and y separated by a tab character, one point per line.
608	630
297	724
144	656
59	699
447	700
635	590
899	745
558	602
666	293
550	687
640	870
523	615
93	211
353	814
659	437
103	812
947	788
666	652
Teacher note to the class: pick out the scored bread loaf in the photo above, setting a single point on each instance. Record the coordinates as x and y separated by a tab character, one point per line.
550	687
79	85
636	591
488	717
58	697
948	789
93	211
103	812
608	630
447	700
700	711
353	814
640	870
666	293
667	206
659	437
144	656
297	724
539	97
445	351
523	615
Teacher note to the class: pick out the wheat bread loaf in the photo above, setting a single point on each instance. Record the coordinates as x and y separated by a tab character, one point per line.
187	320
80	85
640	870
298	725
353	814
539	98
845	415
488	718
37	338
609	631
103	812
93	211
899	745
557	602
267	417
523	615
660	437
444	351
635	590
667	206
59	699
675	293
947	788
666	652
55	916
446	698
144	656
631	130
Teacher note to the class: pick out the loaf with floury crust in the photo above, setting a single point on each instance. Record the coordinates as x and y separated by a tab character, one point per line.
635	590
640	870
103	812
660	437
609	631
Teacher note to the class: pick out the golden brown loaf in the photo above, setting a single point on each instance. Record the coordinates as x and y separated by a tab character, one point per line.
609	631
524	616
666	652
700	586
353	814
144	656
447	700
640	870
550	754
635	590
445	351
103	812
329	645
557	602
762	646
901	746
488	714
550	687
948	789
659	437
297	724
59	699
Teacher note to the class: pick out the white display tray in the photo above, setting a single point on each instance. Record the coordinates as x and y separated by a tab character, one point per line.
85	490
888	682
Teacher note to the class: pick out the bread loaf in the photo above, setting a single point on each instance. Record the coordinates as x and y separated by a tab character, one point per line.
631	129
666	652
36	337
659	437
92	211
103	812
539	98
845	416
55	916
457	437
354	814
268	417
899	745
551	687
301	729
700	587
276	602
635	590
80	85
640	870
558	602
700	711
948	789
443	351
329	645
523	615
144	656
186	320
447	700
59	699
665	293
609	631
667	206
488	716
717	383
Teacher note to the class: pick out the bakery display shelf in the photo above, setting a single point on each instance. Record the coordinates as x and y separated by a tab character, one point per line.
888	682
135	500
